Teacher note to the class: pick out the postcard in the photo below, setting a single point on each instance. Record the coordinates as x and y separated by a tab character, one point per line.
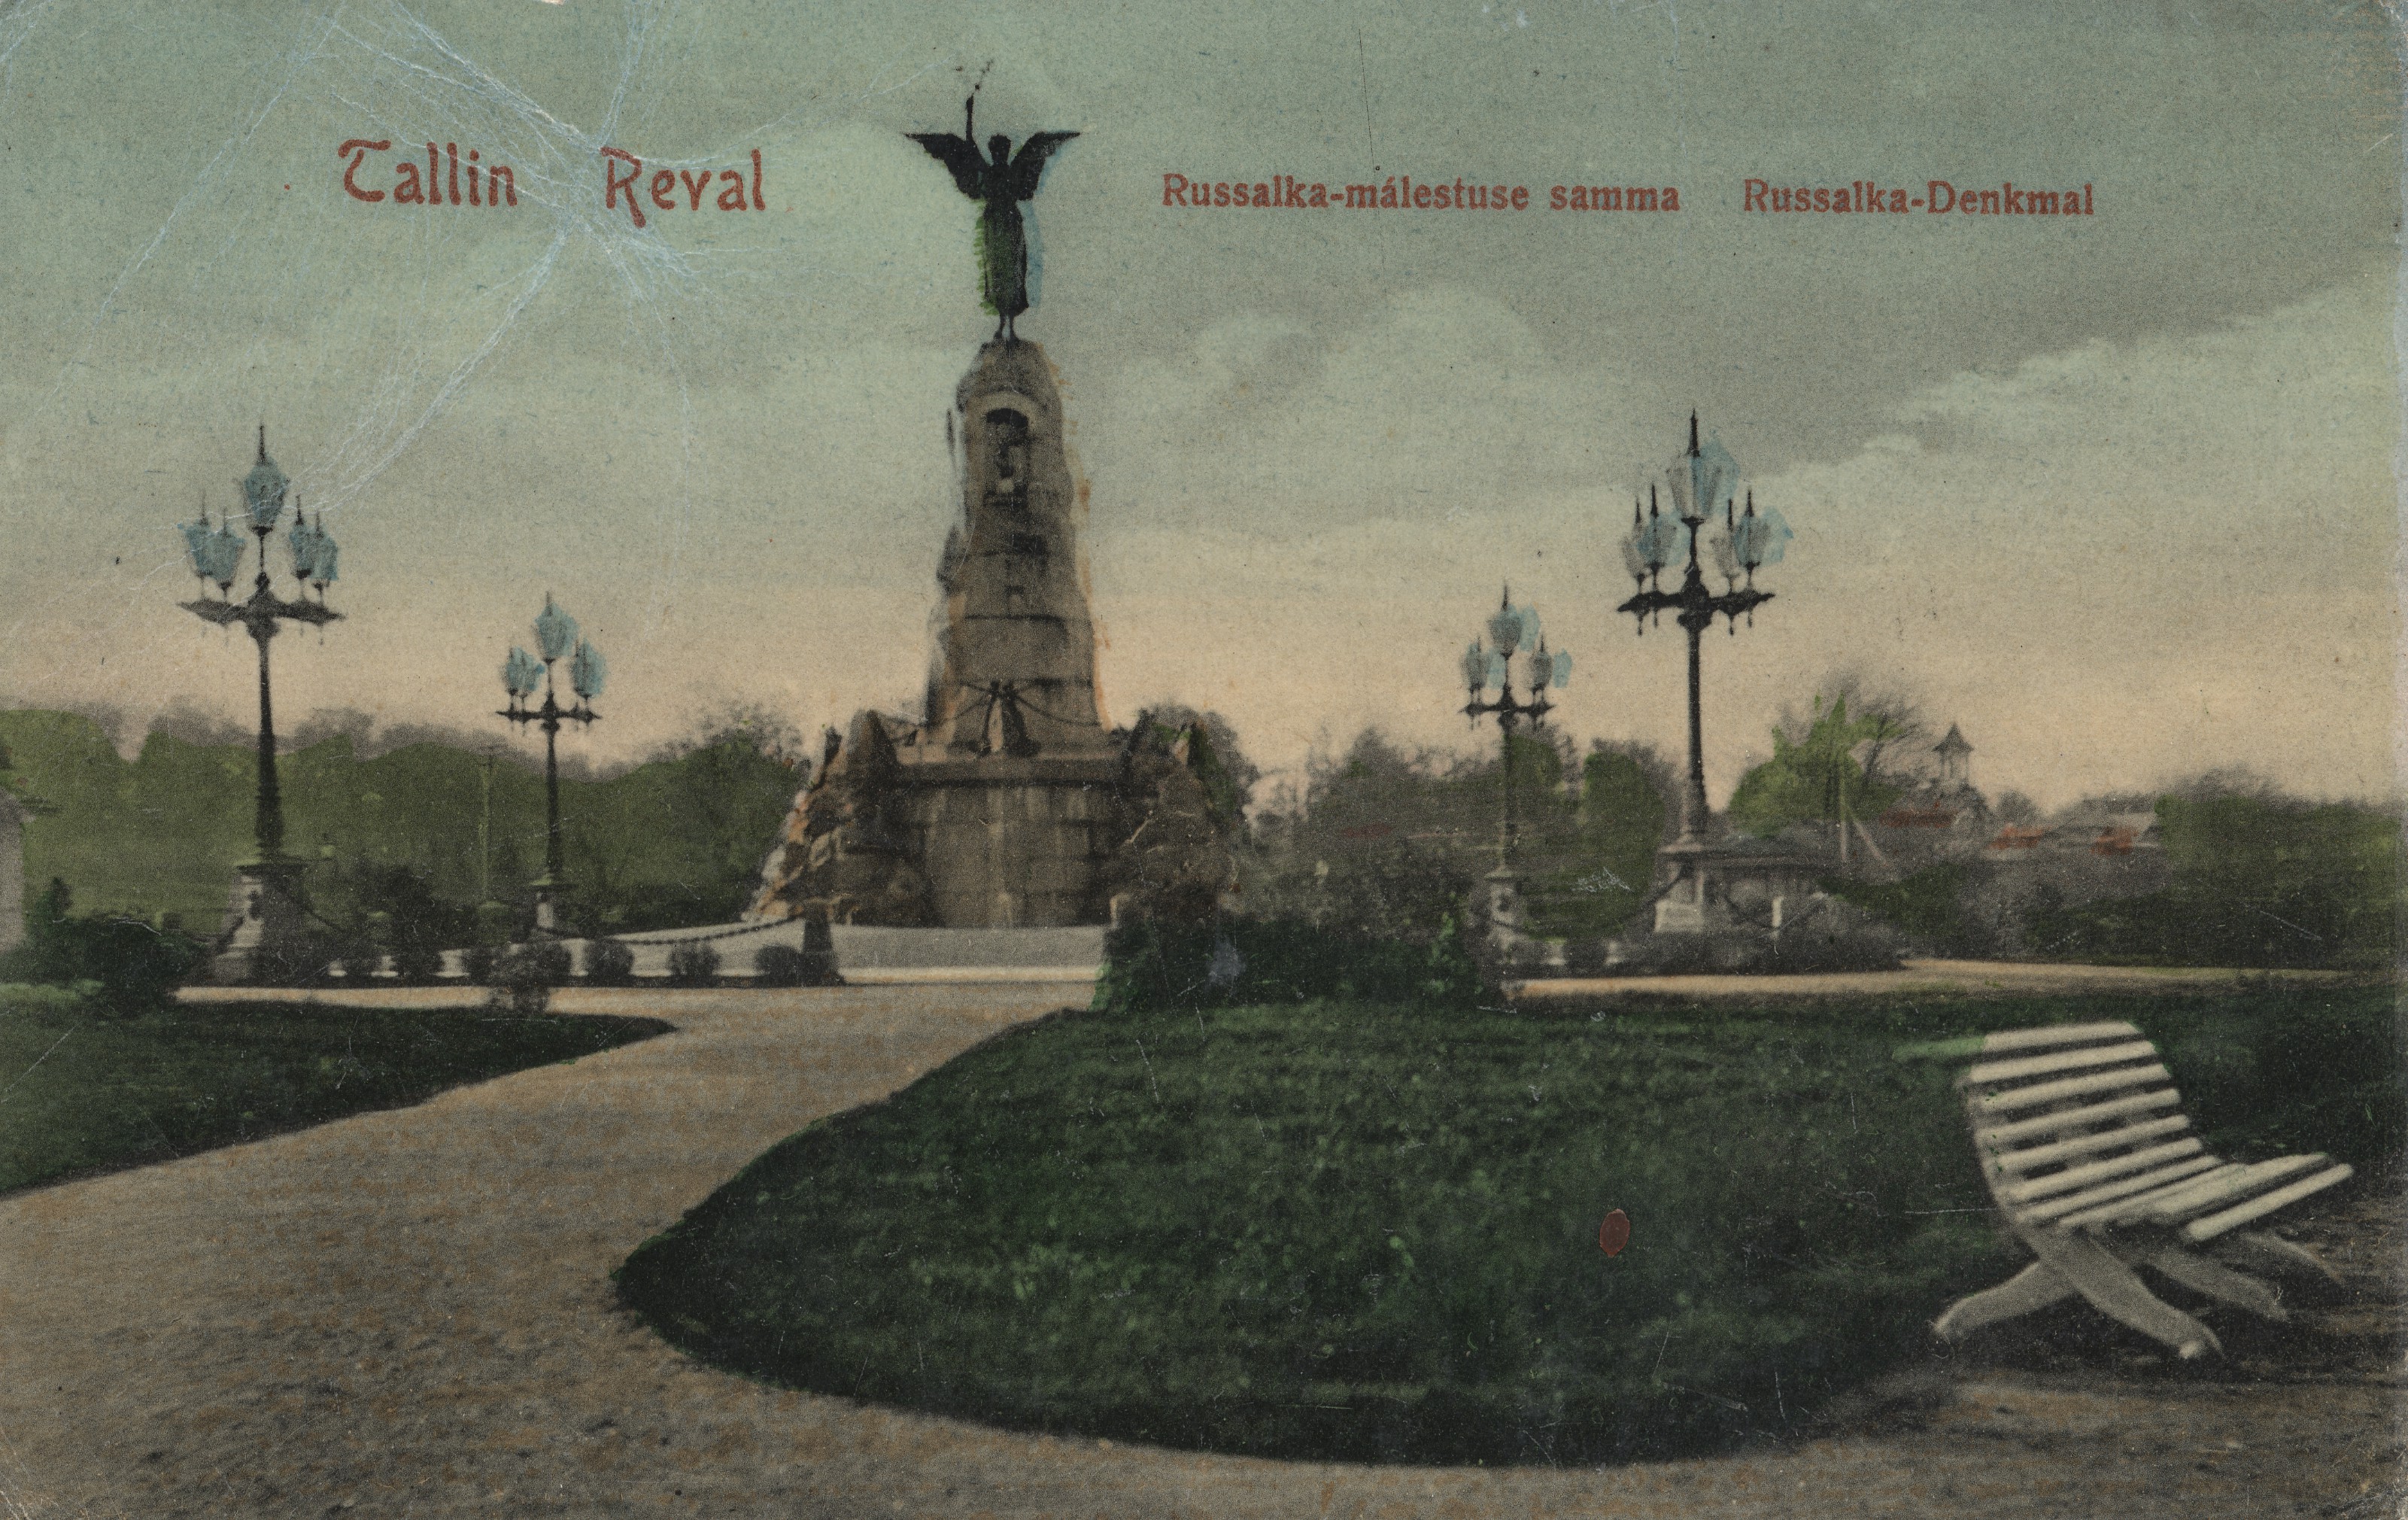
1228	759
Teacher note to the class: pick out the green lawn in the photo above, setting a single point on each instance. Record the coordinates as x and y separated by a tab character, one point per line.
1351	1231
82	1091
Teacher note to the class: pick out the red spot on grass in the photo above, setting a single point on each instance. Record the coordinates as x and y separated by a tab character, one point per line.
1614	1233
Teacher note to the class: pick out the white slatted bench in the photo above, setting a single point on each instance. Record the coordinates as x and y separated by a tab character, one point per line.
2084	1144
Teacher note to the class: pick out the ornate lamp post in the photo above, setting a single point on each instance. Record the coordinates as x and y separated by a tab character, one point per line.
1510	630
265	914
1699	481
555	635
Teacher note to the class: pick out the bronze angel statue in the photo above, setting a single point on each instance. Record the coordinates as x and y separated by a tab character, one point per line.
999	186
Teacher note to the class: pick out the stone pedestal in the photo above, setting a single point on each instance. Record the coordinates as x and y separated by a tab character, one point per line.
1508	922
550	896
266	925
1004	805
1711	885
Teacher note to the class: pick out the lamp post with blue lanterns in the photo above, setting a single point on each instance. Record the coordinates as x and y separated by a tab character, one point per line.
1511	630
264	917
556	640
1700	480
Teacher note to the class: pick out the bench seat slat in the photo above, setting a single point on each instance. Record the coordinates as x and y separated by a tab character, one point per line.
2188	1202
2074	1177
2060	1034
2050	1092
2049	1124
2106	1139
2081	1206
2201	1230
2033	1065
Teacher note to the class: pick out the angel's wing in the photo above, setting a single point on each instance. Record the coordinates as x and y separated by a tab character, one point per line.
1030	162
958	154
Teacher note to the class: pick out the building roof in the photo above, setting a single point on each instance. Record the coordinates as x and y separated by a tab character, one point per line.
1953	744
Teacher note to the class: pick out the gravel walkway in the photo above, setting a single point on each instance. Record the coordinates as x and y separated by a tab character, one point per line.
408	1313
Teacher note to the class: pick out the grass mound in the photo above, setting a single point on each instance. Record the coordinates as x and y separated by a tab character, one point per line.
1351	1231
87	1090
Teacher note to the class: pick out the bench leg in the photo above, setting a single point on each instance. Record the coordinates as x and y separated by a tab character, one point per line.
2118	1291
2273	1254
2202	1276
2036	1286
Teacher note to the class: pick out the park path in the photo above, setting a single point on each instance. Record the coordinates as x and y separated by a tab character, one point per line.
408	1313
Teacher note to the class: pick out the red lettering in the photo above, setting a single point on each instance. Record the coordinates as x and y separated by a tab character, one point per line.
1751	197
694	185
757	203
357	151
732	198
663	180
1174	195
612	184
500	178
1932	191
1521	198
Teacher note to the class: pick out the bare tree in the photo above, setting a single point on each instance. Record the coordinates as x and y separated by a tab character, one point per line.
1898	731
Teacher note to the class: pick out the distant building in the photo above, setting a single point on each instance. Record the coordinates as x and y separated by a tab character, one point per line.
1956	759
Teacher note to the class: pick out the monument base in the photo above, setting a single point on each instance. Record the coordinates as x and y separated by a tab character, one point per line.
265	927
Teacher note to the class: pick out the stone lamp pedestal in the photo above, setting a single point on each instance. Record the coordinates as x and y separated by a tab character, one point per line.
266	925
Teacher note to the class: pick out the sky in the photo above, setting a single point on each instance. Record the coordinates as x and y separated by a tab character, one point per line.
2113	493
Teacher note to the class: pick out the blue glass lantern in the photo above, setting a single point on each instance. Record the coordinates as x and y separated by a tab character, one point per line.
1475	666
262	490
587	671
1505	627
555	632
522	673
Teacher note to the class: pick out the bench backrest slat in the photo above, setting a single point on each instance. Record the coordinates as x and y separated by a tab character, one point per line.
2051	1091
2033	1065
2056	1033
2064	1119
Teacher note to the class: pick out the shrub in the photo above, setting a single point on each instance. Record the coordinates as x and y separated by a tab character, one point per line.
694	964
524	975
1239	961
133	962
359	959
609	962
783	965
476	963
417	962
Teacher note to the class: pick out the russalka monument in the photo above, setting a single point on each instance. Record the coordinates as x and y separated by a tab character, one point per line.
1009	804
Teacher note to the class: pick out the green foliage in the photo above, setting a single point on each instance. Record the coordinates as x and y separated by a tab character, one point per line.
1926	905
783	965
1350	1231
1152	965
91	1093
1228	775
1592	885
674	841
524	975
1814	778
609	962
2254	882
131	962
1388	843
694	964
